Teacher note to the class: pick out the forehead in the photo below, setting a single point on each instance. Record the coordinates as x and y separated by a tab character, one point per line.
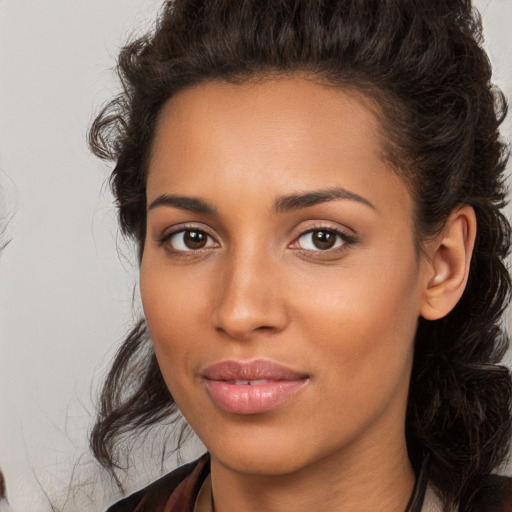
255	111
274	136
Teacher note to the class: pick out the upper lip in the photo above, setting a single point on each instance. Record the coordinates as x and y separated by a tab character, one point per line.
253	370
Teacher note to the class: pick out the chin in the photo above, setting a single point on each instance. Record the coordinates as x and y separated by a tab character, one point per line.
268	452
258	462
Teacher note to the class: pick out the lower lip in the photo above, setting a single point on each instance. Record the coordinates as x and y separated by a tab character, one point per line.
248	399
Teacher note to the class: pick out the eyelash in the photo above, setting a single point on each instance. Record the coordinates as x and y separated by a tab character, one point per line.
163	241
341	236
346	241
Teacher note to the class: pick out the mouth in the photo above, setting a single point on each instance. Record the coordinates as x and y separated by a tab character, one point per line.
248	382
252	388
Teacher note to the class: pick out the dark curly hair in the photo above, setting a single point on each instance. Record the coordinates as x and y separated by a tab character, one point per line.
422	64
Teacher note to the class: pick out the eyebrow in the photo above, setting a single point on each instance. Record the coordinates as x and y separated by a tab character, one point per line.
307	199
192	204
281	205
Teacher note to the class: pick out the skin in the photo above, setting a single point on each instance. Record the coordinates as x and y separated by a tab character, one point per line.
261	289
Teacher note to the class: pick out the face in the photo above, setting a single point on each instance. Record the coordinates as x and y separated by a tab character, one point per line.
280	279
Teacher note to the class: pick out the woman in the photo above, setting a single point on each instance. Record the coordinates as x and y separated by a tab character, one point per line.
315	190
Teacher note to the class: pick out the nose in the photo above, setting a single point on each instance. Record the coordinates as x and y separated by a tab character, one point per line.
251	298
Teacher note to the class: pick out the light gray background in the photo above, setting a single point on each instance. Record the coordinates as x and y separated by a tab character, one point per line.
65	293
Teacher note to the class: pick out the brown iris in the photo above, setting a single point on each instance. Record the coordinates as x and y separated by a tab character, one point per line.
323	239
195	239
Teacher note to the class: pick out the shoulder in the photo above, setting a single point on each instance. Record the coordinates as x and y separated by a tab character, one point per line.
493	493
185	480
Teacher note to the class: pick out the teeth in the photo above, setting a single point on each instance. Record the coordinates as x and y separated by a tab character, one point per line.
249	382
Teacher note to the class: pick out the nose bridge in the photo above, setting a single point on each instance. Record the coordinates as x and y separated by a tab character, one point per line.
249	298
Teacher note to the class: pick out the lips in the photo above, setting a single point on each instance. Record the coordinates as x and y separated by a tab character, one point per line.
251	388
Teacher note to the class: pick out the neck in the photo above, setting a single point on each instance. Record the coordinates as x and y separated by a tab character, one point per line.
361	478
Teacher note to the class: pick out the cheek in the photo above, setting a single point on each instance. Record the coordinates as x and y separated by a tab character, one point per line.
170	294
172	306
363	323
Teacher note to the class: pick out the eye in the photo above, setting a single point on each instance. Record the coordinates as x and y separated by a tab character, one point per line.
323	239
187	240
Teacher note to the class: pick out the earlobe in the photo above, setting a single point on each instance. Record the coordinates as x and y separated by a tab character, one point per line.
447	269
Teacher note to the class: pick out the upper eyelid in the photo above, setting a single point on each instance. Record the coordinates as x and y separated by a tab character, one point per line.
318	225
174	230
346	237
339	231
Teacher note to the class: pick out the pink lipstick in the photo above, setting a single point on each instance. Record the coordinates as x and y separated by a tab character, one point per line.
253	387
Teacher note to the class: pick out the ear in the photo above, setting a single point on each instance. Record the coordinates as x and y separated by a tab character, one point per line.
447	262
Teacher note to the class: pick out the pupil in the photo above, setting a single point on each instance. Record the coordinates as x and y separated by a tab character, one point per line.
324	239
194	239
